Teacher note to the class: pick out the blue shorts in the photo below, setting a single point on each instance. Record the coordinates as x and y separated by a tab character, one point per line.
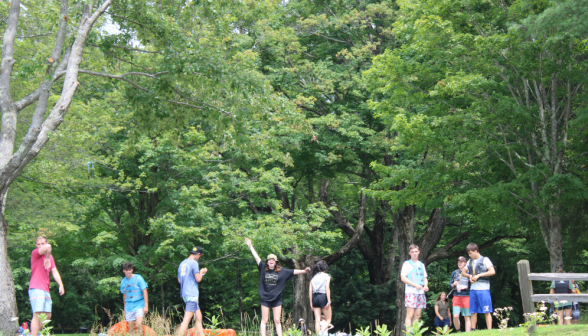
463	311
480	302
40	300
441	323
192	306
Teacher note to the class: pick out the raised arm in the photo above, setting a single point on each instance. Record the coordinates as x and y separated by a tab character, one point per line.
200	274
304	271
257	258
57	279
46	250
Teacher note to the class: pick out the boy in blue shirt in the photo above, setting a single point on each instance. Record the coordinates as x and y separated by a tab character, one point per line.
189	276
135	298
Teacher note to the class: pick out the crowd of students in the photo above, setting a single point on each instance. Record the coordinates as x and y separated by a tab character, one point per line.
469	284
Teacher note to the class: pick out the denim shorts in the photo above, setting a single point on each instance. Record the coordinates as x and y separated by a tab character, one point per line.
192	306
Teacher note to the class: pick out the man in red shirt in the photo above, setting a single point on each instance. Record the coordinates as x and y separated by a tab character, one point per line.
41	264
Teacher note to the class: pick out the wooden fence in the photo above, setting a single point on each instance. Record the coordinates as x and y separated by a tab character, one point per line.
525	278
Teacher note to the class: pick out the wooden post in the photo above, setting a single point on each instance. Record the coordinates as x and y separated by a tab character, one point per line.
526	286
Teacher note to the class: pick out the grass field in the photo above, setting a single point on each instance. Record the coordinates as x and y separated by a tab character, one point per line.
572	330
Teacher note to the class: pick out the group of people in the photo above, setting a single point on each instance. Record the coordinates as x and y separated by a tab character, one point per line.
469	283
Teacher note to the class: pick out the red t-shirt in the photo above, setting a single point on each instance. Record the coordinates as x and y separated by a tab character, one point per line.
39	275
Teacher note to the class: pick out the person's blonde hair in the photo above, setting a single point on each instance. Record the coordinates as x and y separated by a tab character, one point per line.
40	237
413	246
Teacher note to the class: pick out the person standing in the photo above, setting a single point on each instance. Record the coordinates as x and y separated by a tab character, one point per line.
189	276
575	305
135	298
478	269
414	275
563	309
442	311
461	296
320	295
303	328
272	280
42	263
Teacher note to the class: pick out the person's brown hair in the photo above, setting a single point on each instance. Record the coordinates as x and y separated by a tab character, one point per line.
277	268
40	237
560	271
413	246
472	247
439	297
128	266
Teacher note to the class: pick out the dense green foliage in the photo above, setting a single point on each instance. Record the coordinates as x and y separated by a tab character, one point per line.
266	119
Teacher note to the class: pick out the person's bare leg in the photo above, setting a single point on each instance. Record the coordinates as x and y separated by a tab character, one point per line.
456	322
468	323
199	327
417	315
131	325
560	319
317	320
185	323
35	324
328	312
409	315
568	312
474	319
277	315
139	325
264	318
488	320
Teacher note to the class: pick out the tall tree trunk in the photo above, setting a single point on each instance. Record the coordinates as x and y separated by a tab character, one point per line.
8	309
300	285
555	245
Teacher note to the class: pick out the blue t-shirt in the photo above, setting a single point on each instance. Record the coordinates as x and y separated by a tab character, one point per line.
133	289
189	287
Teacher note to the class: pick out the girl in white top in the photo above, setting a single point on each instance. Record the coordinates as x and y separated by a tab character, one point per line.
320	296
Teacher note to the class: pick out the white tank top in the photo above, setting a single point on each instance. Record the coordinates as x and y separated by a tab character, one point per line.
319	282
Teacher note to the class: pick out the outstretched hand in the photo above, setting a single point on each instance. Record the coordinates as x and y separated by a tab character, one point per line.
248	242
307	269
47	264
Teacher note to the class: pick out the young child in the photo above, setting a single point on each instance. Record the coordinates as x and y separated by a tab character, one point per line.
135	298
478	269
442	311
414	275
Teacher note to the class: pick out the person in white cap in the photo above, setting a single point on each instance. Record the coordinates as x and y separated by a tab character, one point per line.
272	280
304	328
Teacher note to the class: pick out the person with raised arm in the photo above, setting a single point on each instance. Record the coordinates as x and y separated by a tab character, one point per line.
42	264
272	280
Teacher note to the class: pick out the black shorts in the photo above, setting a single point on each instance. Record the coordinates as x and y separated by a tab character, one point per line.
319	300
271	304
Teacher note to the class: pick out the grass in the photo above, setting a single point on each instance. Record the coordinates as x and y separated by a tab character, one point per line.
571	330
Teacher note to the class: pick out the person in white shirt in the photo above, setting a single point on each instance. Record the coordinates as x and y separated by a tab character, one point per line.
414	275
478	269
